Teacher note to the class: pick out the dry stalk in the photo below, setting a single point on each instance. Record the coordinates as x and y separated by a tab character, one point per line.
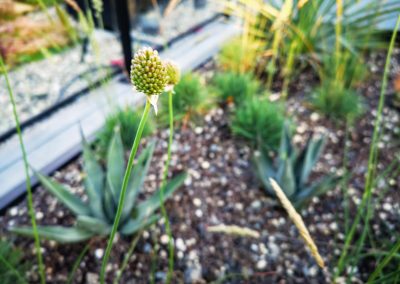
298	221
234	230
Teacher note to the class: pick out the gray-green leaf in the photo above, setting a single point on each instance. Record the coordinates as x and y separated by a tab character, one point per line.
153	203
132	226
56	233
94	182
63	195
115	165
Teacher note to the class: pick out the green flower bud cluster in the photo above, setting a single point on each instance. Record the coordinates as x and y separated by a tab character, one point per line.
173	72
148	73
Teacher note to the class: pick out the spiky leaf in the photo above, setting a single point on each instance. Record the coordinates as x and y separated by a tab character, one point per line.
93	225
115	165
64	196
153	203
286	178
308	158
265	170
56	233
94	182
285	148
317	188
133	226
110	207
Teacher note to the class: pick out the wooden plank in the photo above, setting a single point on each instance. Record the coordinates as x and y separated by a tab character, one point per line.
53	142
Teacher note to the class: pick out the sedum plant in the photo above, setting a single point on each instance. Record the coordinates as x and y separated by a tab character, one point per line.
292	168
96	217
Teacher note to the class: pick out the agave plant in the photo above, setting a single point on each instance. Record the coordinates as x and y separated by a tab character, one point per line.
96	217
292	168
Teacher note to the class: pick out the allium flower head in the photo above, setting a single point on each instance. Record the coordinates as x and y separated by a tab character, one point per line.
148	73
173	72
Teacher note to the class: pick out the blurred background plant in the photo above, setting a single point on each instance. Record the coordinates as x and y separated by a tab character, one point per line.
292	168
126	120
25	39
240	55
191	100
13	267
298	33
337	96
103	189
234	87
259	122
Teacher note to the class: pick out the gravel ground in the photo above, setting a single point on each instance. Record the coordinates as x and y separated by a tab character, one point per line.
222	189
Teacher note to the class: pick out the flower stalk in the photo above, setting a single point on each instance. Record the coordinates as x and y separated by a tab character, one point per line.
163	182
31	208
151	76
123	190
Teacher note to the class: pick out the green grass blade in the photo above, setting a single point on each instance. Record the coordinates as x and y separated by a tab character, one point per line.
371	163
384	262
31	208
77	263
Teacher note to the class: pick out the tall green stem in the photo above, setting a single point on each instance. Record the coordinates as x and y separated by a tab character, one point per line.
163	182
372	160
123	189
27	176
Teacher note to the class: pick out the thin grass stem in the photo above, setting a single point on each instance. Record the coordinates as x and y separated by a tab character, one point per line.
31	208
384	262
127	257
163	183
77	263
371	162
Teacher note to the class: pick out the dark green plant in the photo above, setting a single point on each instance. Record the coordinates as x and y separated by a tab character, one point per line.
291	169
337	97
12	265
234	86
336	102
260	122
190	99
103	188
127	121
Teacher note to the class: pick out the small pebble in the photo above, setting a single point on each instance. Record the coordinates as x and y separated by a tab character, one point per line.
164	239
261	264
197	202
99	253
